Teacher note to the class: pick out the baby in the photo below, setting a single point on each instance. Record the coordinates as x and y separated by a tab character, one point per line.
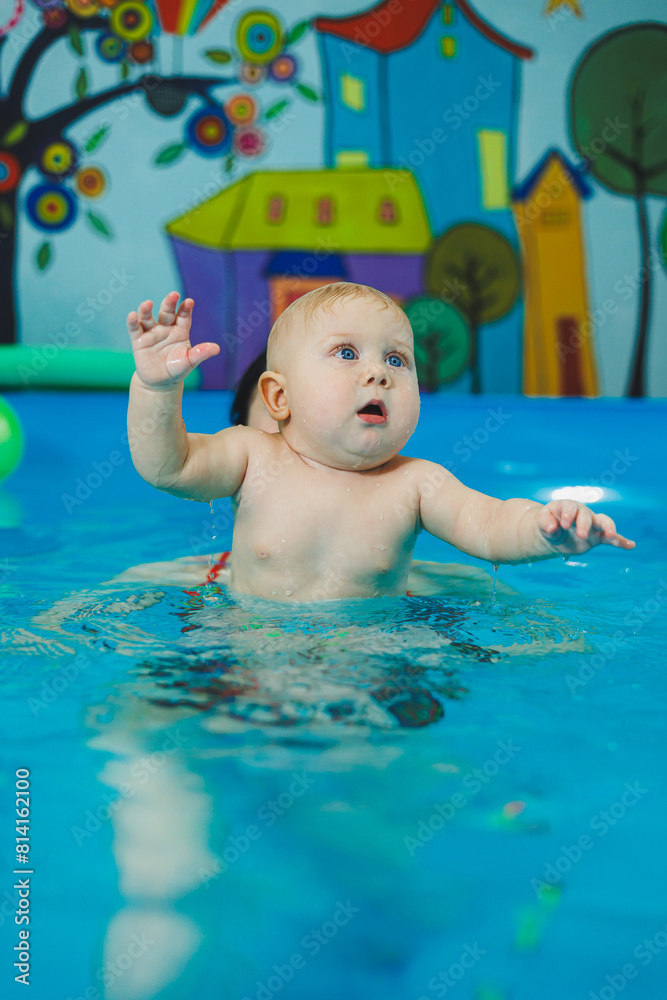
327	507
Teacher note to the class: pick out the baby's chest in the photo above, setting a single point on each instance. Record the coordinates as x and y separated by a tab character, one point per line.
364	516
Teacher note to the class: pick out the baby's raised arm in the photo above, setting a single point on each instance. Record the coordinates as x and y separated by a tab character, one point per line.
196	466
509	531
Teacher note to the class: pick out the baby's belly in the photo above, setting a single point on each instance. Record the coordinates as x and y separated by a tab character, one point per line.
326	572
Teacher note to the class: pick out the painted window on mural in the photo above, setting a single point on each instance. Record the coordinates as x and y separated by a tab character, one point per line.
275	211
448	46
387	213
555	218
448	13
353	91
492	148
352	158
324	211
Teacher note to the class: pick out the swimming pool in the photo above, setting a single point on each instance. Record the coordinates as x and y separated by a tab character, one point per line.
453	795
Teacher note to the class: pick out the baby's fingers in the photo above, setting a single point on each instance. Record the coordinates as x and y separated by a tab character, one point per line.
142	320
201	352
167	312
567	510
184	314
609	534
584	522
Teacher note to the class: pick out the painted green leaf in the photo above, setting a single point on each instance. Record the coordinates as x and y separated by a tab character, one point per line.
295	33
81	85
229	164
218	55
15	133
169	154
6	215
75	39
96	139
275	109
307	92
124	70
43	256
100	225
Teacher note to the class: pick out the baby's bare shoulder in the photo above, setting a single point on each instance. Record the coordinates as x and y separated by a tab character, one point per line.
421	475
418	468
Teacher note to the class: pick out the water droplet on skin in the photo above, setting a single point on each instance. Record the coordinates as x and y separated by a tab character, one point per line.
378	484
382	517
273	591
347	489
405	473
288	592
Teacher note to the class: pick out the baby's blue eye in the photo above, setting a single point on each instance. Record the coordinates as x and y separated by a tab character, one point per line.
346	349
399	358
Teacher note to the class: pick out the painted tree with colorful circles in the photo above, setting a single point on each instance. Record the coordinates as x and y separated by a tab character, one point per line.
127	33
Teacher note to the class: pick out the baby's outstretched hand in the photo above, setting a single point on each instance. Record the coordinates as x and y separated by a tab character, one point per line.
162	351
571	527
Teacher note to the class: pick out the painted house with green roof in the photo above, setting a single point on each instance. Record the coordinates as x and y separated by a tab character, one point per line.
250	250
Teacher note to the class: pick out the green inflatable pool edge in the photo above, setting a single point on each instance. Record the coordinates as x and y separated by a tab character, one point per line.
48	367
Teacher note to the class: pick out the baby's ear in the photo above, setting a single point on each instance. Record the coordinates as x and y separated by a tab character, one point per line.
271	387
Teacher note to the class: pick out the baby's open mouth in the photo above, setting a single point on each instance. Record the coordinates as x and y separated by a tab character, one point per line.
374	412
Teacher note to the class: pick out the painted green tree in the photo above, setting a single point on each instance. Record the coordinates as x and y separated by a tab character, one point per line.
475	268
442	342
618	124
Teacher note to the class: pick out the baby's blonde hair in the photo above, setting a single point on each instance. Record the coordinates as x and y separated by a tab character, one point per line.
307	305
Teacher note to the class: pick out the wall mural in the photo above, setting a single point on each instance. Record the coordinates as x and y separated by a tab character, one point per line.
416	191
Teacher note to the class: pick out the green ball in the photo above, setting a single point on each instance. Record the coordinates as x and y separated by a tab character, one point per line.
11	439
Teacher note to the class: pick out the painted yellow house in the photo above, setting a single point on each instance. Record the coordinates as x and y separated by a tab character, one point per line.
558	352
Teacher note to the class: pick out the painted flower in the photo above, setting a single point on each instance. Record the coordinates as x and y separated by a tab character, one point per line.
51	207
83	8
142	52
54	17
131	20
91	182
249	141
110	47
283	69
241	109
10	171
259	36
210	131
252	73
58	159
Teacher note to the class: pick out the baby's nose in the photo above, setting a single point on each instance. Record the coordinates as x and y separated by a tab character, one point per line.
375	371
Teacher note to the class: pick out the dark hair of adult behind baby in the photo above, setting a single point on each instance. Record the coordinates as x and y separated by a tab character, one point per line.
238	413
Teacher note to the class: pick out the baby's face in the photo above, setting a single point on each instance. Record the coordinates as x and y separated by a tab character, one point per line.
340	360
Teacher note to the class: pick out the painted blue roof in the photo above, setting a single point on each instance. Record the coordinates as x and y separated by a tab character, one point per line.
521	191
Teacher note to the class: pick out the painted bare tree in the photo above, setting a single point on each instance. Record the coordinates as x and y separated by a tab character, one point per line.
618	124
476	269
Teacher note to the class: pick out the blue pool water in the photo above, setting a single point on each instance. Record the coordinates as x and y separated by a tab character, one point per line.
451	795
